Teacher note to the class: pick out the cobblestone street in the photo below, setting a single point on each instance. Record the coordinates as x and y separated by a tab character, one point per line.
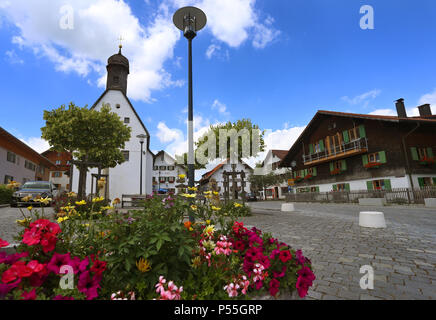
403	255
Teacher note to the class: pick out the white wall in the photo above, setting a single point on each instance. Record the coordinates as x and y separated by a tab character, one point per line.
16	170
168	161
125	178
218	176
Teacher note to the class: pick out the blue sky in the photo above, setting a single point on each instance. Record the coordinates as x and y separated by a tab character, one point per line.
276	62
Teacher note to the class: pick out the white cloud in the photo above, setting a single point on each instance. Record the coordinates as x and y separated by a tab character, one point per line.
166	135
13	58
97	26
235	21
429	98
38	144
211	50
363	98
221	107
384	112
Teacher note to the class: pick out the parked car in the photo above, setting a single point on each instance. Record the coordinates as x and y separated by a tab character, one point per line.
43	189
251	196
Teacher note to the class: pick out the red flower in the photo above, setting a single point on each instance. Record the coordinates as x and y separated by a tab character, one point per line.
17	271
274	285
31	295
3	243
239	245
57	261
304	281
35	266
88	285
42	232
98	267
285	256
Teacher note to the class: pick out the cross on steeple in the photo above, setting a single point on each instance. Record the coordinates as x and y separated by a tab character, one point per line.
121	39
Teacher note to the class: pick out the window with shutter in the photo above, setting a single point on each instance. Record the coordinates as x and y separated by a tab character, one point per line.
369	185
414	153
362	131
346	137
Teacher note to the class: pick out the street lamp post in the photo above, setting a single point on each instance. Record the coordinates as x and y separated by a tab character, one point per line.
190	20
142	138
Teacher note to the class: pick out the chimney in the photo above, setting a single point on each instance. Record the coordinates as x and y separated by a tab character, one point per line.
401	109
425	110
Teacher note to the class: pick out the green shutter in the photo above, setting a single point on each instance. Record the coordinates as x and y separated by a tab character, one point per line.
295	174
344	165
421	182
347	186
317	189
335	187
434	181
346	137
388	185
306	171
382	155
362	131
331	166
314	171
369	185
430	152
365	159
414	153
321	145
310	148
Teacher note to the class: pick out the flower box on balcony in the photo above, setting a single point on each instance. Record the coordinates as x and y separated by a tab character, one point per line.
298	179
308	177
427	160
336	172
370	165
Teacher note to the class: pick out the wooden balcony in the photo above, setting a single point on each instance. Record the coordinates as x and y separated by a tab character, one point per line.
355	147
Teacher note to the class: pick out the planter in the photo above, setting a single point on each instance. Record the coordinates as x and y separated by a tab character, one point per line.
371	165
335	172
280	296
426	161
308	177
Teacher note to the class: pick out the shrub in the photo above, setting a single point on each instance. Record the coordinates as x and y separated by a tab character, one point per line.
5	194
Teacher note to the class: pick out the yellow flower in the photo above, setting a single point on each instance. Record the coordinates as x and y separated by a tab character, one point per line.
26	199
30	208
60	220
72	195
44	201
208	192
107	208
81	203
182	176
86	225
209	245
186	195
98	199
13	185
143	265
215	208
196	262
238	205
216	193
207	221
194	207
209	230
23	222
192	189
191	229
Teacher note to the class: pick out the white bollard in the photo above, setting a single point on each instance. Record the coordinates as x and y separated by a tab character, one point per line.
372	219
288	207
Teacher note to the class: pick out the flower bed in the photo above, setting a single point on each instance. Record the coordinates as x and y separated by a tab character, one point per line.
152	253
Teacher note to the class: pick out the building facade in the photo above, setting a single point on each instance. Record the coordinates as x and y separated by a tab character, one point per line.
19	162
124	178
165	173
60	176
271	165
344	152
216	176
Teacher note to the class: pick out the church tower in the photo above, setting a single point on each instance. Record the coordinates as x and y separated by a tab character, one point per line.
117	72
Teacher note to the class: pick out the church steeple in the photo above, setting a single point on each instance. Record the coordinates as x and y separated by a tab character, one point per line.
118	70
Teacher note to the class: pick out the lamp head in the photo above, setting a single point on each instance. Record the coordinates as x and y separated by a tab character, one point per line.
141	138
189	20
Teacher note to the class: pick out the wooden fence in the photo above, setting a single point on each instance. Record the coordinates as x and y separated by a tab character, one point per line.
394	196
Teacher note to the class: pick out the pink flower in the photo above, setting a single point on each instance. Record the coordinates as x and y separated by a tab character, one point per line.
6	288
159	286
60	297
232	289
274	285
88	285
3	243
285	256
31	295
304	281
57	261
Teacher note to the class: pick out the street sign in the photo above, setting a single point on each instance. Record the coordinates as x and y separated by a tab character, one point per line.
291	182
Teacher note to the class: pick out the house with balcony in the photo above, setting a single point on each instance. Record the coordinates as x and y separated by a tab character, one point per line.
19	162
165	173
344	151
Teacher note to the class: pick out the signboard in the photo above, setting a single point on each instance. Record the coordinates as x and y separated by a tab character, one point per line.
291	182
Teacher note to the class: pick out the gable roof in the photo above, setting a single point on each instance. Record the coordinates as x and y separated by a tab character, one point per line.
134	111
20	144
209	174
427	120
280	153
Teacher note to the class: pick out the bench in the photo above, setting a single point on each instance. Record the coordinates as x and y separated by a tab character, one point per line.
132	200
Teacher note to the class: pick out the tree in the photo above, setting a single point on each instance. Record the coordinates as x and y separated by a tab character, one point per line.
262	182
224	142
91	136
